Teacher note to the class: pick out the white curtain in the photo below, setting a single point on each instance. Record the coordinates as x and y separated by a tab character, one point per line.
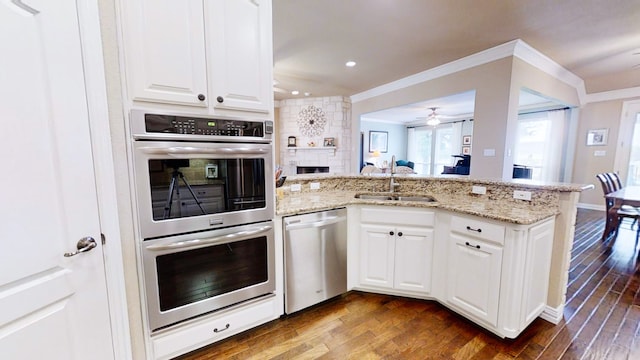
456	138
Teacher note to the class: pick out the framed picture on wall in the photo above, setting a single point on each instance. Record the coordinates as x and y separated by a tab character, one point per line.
597	137
466	150
378	141
466	140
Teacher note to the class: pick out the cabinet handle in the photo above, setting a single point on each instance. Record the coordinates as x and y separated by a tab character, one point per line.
390	232
201	97
472	229
216	330
220	99
476	246
400	233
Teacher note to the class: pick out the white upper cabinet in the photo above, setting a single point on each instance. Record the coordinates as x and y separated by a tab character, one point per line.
241	54
213	54
164	51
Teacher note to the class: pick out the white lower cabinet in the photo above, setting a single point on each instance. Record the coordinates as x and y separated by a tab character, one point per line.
493	273
396	249
473	277
498	273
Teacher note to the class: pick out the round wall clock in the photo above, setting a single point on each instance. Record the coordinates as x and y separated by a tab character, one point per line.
311	121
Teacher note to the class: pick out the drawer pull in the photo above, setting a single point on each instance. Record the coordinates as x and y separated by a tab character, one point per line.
216	330
391	233
400	233
472	229
476	246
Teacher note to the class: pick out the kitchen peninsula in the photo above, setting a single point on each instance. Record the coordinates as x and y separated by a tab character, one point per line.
499	261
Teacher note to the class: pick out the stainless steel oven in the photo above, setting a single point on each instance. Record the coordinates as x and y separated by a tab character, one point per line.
204	189
198	173
189	275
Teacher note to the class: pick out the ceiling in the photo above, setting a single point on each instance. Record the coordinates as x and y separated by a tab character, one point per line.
597	40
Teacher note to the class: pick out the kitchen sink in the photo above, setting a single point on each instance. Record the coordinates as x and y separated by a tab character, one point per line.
425	198
420	198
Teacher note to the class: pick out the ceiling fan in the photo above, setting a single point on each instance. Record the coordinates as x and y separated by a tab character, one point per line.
432	119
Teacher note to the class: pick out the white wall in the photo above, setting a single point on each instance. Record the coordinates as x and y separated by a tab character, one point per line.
397	139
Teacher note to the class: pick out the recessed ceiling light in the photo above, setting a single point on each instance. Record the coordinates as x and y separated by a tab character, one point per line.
295	92
307	94
351	63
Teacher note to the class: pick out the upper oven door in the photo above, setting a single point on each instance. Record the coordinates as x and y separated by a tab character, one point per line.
192	186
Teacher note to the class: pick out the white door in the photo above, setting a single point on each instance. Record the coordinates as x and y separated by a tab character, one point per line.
52	307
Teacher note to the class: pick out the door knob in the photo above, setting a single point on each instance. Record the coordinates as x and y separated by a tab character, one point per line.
84	244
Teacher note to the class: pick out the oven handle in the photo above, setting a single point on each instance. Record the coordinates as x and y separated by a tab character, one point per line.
182	150
197	243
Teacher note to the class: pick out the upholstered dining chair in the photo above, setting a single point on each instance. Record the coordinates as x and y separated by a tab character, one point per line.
609	185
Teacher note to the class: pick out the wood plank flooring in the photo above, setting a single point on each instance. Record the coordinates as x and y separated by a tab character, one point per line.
601	319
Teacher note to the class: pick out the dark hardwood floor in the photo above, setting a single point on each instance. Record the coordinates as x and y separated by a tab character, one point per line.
601	319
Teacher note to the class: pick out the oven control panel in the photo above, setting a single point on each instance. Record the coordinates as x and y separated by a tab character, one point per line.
170	124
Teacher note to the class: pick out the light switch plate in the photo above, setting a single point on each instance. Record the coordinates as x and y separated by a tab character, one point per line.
480	190
314	186
489	152
296	187
522	195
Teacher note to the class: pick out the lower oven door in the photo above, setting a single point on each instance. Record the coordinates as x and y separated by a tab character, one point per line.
189	275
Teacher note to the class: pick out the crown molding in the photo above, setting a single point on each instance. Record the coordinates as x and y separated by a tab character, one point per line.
613	95
542	62
517	48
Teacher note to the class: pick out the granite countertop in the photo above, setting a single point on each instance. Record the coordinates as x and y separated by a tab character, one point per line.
519	183
523	214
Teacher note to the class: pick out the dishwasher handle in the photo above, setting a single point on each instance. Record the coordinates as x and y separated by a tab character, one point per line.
311	224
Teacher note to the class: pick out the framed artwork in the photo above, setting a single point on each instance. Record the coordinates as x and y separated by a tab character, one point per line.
466	140
466	150
329	141
378	141
597	137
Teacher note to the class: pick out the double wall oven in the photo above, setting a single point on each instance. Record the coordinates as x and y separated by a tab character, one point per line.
205	207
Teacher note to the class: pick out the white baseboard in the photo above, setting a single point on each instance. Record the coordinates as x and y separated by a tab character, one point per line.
590	206
553	315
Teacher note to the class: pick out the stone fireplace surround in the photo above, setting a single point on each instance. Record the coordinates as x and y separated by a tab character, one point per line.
337	111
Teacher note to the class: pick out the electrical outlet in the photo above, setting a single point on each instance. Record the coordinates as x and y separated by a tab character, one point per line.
522	195
314	186
480	190
296	187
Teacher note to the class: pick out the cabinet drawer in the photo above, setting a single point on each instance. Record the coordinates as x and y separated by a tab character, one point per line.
199	333
397	216
477	228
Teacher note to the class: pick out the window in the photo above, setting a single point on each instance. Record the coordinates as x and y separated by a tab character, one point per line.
633	178
540	141
430	148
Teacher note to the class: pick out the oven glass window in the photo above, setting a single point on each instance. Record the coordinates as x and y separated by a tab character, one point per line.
194	275
192	187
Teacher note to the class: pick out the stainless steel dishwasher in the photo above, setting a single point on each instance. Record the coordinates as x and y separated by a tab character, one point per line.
315	247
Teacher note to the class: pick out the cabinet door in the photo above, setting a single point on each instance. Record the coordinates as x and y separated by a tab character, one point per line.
536	272
473	278
413	259
377	246
241	54
165	51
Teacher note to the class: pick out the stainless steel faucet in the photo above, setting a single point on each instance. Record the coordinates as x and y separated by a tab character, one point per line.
393	164
392	182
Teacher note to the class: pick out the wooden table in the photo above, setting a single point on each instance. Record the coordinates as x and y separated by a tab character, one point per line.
629	195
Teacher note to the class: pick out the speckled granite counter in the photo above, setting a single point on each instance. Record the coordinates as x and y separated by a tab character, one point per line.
453	194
